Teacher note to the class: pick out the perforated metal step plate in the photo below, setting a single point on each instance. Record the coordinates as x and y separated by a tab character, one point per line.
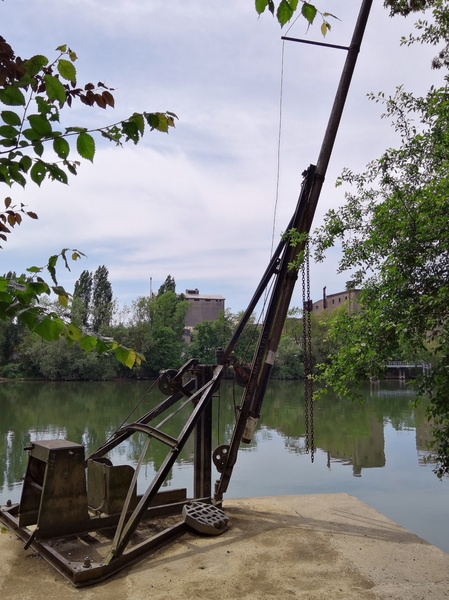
205	518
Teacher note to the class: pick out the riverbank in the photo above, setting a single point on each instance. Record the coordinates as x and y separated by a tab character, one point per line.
314	547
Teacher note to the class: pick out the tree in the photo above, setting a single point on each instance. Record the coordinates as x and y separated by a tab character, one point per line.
101	299
82	296
34	92
169	285
210	335
394	230
156	329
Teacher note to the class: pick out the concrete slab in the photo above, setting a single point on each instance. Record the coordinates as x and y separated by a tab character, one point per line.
317	547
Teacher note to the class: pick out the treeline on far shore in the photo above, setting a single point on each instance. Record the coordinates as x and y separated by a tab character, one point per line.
153	326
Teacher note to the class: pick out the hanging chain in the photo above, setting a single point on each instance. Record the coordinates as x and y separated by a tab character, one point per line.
304	345
307	350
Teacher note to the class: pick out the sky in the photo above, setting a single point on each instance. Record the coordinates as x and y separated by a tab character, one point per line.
206	202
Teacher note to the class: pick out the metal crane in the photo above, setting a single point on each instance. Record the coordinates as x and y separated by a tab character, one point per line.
82	514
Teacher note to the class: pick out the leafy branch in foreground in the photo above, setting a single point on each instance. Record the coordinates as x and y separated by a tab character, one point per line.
34	92
286	9
23	298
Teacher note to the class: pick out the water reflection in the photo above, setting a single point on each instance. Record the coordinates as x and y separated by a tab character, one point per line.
359	440
87	413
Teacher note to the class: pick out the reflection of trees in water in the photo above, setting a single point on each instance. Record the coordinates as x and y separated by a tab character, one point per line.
89	412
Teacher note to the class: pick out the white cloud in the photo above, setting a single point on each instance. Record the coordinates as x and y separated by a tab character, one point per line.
198	203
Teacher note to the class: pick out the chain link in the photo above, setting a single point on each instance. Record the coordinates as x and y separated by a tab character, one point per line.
304	346
307	349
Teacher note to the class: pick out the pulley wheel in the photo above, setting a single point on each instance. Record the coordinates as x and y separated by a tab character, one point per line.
241	375
165	381
219	456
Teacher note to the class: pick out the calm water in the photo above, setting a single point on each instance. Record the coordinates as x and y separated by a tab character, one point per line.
373	451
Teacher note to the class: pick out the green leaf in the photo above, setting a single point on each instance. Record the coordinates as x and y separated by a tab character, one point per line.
152	120
284	12
40	125
14	171
138	119
10	118
309	12
25	163
8	131
67	70
31	135
61	147
43	106
56	173
38	147
131	131
38	287
63	301
12	96
49	328
73	332
38	172
85	144
157	121
88	342
35	64
261	5
126	356
51	267
106	345
55	89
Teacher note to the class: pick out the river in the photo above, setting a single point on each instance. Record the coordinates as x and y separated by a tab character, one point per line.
375	451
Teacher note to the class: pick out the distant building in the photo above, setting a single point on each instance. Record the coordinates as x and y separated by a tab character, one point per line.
331	302
203	307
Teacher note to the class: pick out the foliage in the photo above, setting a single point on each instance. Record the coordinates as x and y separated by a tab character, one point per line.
169	285
101	299
24	299
82	294
33	92
289	363
207	336
394	230
405	7
434	33
156	330
58	360
286	9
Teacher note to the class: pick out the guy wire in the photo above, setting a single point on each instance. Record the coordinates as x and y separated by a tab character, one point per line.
278	166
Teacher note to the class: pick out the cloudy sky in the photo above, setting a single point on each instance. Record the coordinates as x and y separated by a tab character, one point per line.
199	203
